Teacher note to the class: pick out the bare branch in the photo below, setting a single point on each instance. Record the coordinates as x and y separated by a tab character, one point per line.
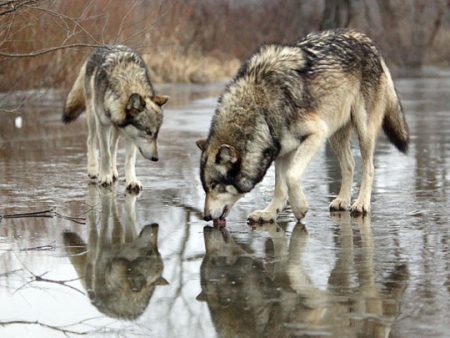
49	50
72	20
15	5
50	213
48	326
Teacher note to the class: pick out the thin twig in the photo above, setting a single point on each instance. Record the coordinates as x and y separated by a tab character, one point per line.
48	326
50	213
49	50
48	247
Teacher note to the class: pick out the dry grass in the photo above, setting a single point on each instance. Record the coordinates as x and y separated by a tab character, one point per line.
189	40
171	65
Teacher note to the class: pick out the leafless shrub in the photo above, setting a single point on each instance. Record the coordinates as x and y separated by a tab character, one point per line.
201	40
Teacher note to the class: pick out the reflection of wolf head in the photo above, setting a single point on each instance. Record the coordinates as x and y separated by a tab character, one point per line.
234	287
118	268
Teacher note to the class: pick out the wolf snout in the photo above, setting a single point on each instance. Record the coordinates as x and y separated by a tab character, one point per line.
215	214
155	158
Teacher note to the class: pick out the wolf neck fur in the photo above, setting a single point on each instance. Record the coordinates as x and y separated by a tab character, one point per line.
251	134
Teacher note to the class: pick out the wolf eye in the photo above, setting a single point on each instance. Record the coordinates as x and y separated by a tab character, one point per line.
149	133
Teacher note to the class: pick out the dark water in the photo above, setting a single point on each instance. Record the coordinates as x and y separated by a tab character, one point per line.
111	270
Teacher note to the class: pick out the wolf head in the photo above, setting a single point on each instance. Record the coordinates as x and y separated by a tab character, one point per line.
222	179
141	121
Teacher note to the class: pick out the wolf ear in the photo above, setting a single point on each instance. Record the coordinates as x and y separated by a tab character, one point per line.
160	100
227	154
161	281
135	104
201	144
201	297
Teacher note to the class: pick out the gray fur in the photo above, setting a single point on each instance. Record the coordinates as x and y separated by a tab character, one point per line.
114	88
285	101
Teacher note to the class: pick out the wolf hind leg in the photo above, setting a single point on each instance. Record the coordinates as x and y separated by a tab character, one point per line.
92	142
316	131
367	130
341	144
269	214
114	143
132	183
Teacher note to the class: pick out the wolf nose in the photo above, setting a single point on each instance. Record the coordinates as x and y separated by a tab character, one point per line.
207	218
154	159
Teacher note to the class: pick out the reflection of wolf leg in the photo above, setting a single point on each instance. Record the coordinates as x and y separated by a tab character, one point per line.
117	233
269	214
106	199
341	144
92	139
104	137
130	217
341	275
367	133
314	298
316	131
114	142
93	199
132	184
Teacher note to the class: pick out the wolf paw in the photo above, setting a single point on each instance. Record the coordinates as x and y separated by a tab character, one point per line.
92	173
105	180
339	204
134	187
359	209
115	174
261	217
300	212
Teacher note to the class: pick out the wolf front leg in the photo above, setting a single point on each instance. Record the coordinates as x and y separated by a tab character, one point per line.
269	214
300	160
92	141
105	178
114	143
132	183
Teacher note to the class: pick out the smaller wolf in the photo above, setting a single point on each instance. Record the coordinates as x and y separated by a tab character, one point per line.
283	105
114	88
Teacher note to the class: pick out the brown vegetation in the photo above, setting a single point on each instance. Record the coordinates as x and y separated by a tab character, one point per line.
43	42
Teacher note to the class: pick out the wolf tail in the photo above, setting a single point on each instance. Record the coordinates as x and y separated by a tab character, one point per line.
75	102
394	122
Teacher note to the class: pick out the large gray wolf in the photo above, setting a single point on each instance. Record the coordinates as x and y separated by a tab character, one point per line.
119	267
114	88
282	106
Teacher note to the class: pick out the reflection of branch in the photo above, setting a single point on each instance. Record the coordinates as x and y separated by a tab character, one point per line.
64	328
39	278
50	213
48	247
6	274
48	326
